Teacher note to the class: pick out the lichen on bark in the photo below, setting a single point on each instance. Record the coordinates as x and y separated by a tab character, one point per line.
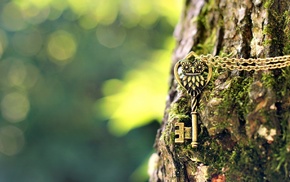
244	116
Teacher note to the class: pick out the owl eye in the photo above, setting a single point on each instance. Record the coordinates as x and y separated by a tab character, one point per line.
186	67
199	67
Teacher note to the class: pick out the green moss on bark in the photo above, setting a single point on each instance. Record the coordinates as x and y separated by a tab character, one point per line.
277	31
206	21
286	16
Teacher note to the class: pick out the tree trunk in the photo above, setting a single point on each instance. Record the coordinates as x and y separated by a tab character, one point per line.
244	117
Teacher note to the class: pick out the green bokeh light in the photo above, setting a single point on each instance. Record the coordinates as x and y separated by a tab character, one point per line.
82	86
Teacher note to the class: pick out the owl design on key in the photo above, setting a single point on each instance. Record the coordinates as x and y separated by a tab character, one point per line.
192	74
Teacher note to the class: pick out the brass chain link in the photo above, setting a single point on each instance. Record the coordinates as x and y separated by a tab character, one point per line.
246	64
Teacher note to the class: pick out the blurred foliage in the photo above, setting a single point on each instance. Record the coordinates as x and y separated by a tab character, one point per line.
138	99
70	67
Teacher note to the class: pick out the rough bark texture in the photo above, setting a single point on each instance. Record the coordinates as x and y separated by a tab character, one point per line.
244	116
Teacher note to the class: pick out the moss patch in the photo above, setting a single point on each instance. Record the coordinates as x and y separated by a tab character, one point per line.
286	50
278	28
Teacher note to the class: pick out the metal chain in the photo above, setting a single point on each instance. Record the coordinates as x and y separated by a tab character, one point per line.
246	64
192	76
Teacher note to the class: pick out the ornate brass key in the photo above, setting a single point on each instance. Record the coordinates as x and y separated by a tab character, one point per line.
192	74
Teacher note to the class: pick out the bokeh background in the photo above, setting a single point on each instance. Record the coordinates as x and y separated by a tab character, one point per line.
82	87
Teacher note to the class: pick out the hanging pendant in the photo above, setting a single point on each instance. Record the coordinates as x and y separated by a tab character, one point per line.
192	74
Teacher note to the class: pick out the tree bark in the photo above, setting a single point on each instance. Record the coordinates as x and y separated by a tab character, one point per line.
244	117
